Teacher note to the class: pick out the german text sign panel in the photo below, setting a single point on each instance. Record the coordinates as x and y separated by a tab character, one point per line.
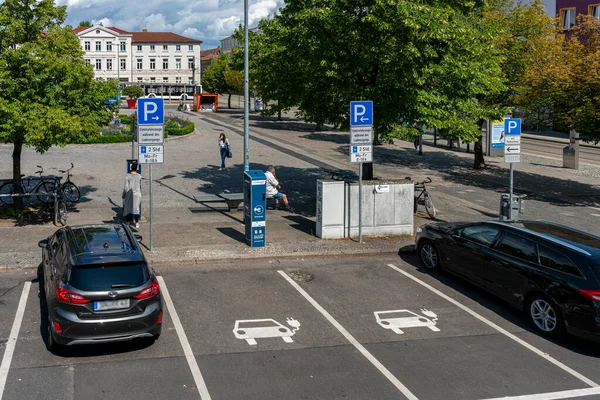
151	154
151	134
361	154
361	135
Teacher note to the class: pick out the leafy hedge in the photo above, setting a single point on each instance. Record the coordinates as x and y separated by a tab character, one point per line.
189	128
126	119
118	138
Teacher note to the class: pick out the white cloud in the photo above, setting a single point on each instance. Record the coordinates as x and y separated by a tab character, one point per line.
207	20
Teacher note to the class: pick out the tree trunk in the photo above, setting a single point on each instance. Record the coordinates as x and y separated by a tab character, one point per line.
435	136
479	160
279	116
17	174
229	101
368	171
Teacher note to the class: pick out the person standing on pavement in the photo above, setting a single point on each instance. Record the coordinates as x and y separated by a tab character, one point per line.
224	149
273	187
132	197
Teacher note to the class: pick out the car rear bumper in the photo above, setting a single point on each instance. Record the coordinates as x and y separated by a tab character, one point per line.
87	331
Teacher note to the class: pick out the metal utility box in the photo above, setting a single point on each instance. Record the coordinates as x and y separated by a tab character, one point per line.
255	208
139	166
518	206
330	209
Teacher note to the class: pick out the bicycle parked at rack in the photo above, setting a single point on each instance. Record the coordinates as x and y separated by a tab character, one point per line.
42	190
60	206
427	200
70	190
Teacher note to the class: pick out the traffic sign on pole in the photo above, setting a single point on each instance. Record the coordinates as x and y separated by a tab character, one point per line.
151	134
151	154
361	113
512	140
151	111
361	135
361	154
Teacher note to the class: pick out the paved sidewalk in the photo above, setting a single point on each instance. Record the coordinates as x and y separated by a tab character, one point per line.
183	234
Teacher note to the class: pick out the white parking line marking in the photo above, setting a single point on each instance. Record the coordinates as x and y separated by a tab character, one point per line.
567	394
187	349
352	340
499	329
12	338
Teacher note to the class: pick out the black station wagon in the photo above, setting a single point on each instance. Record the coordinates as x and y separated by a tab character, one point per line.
550	271
98	287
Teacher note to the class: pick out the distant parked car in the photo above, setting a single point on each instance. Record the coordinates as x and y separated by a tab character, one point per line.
550	271
98	287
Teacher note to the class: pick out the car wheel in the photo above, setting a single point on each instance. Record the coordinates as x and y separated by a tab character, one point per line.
545	315
429	255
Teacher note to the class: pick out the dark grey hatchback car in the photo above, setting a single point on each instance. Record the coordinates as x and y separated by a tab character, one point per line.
98	287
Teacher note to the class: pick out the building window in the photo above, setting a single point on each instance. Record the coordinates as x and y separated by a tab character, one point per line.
152	47
109	64
123	64
165	63
86	46
165	47
178	63
108	46
140	79
139	47
190	80
190	63
177	47
98	46
567	18
191	47
152	79
153	63
177	79
166	79
87	62
140	64
98	64
123	46
594	11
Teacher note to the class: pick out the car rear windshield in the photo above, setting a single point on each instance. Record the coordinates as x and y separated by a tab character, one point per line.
108	276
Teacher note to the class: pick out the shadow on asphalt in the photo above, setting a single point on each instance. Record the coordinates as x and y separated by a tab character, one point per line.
234	234
302	224
299	184
408	254
457	169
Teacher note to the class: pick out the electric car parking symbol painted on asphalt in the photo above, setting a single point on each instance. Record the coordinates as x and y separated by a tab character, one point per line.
397	319
252	329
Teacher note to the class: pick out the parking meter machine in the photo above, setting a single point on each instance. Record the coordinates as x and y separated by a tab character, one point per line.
255	210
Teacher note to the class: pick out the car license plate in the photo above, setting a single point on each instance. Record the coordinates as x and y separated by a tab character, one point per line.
111	304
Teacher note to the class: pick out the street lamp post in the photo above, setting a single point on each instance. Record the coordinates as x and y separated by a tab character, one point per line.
246	92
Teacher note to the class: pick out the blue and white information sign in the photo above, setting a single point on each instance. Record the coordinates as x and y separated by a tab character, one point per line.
512	140
151	111
361	113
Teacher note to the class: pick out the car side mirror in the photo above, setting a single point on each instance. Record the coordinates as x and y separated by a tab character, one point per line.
43	244
138	238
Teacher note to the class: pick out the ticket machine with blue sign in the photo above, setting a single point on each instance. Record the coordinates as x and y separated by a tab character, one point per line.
255	210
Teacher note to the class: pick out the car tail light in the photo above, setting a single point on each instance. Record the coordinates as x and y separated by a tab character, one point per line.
593	295
57	327
159	319
149	291
66	296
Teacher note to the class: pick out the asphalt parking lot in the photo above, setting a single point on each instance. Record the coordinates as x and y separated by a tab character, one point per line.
336	328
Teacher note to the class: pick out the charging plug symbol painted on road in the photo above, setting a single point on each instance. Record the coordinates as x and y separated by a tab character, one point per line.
396	320
252	329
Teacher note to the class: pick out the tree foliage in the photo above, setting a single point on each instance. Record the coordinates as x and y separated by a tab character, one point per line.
48	96
85	24
133	92
561	82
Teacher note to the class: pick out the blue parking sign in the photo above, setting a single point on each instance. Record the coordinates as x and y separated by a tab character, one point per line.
361	113
512	126
151	111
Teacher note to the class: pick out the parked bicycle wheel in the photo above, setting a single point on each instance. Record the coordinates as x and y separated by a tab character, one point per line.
61	211
71	192
429	207
7	188
45	192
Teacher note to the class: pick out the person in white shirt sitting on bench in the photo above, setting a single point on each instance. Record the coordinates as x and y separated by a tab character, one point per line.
273	187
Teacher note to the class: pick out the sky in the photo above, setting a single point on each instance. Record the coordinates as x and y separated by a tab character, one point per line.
206	20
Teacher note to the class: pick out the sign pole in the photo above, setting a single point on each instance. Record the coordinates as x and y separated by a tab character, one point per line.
246	92
360	187
150	207
511	192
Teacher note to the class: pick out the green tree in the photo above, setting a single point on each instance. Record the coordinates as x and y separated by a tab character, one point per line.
220	78
422	63
48	96
85	24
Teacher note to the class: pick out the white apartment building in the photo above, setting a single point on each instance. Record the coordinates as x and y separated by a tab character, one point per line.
141	57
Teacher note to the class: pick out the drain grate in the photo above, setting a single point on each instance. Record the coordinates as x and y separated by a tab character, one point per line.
302	276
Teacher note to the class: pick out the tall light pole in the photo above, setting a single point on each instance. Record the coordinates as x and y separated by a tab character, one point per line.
246	92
